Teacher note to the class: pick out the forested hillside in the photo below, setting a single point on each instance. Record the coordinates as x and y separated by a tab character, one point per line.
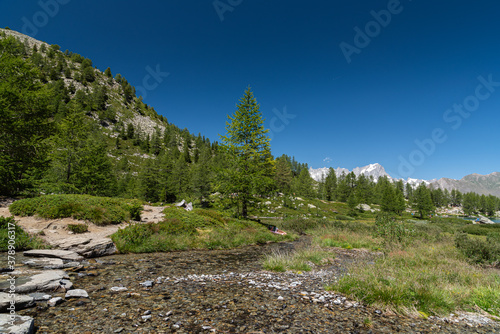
68	127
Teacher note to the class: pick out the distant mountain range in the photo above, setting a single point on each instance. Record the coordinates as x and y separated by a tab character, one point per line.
481	184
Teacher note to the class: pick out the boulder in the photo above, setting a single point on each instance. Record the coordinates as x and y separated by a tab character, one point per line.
16	324
49	280
45	262
181	204
484	220
189	206
311	206
77	293
364	207
21	301
57	253
88	247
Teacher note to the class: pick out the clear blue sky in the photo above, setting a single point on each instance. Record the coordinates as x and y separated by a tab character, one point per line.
422	57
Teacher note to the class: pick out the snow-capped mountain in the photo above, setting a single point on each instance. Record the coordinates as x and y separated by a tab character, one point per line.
376	170
481	184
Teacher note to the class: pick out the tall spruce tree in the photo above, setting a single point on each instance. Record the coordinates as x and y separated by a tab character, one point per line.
248	145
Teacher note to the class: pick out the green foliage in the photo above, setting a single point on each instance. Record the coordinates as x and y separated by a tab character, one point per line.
206	229
78	228
98	210
250	164
478	250
25	109
393	232
9	230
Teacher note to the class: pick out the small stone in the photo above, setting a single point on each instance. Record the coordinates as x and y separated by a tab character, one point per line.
77	293
146	317
148	312
55	301
147	284
118	288
281	298
119	330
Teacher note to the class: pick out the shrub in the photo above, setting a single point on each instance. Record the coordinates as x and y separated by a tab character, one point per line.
392	232
478	250
99	210
78	228
23	240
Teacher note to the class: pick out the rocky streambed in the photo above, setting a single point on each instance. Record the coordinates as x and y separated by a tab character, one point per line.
224	291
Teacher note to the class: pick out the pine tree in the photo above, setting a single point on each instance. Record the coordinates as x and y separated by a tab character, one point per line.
248	145
422	201
330	185
304	184
108	73
283	175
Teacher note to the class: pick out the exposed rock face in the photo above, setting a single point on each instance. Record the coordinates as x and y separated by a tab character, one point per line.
47	281
21	301
54	253
22	325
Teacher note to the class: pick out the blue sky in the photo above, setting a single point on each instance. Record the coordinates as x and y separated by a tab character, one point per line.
391	100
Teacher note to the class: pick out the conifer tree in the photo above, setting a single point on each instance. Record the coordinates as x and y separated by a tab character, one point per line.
330	185
422	201
247	144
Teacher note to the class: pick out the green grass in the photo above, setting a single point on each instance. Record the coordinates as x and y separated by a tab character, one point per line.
300	260
198	229
22	240
433	279
98	210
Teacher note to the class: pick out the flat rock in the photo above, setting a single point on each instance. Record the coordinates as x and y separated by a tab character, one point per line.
57	253
39	296
47	281
45	262
77	293
16	324
21	301
88	247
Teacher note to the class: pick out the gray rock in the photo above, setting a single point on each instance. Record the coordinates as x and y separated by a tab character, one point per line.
189	206
16	324
147	284
66	284
364	207
77	293
118	288
39	296
57	253
484	220
55	301
21	301
47	281
181	204
45	262
146	317
88	247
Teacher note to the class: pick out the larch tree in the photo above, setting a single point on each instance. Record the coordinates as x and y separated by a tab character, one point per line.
248	146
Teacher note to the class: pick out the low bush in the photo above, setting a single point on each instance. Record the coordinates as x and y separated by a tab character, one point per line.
9	230
98	210
478	250
78	228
